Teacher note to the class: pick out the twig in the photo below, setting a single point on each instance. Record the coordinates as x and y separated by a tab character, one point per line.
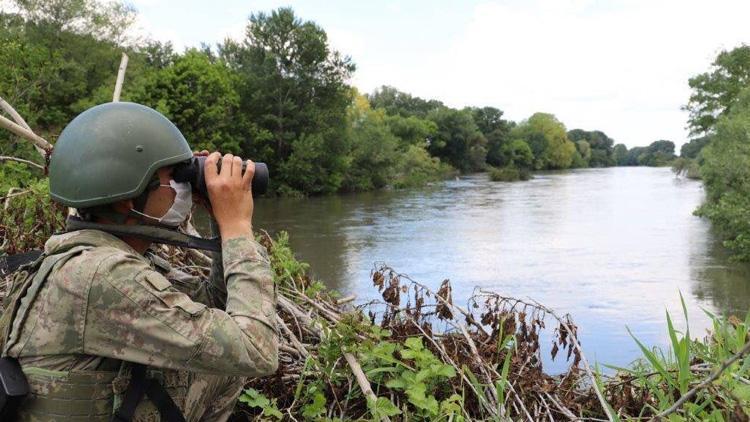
564	410
347	299
11	195
693	391
120	78
364	384
20	121
26	134
585	361
21	160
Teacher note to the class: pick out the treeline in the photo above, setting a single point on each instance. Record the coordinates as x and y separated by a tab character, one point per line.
279	96
719	152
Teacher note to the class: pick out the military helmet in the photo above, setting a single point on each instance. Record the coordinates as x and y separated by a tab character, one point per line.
110	152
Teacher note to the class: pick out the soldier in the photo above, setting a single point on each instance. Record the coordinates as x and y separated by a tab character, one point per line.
100	330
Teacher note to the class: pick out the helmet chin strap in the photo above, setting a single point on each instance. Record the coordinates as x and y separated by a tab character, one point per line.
151	233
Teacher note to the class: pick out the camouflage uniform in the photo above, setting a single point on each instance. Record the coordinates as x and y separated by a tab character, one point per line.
105	305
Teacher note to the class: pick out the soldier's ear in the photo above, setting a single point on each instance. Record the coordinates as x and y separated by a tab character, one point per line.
123	206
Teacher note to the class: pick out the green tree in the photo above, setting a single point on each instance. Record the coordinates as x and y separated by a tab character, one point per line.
400	103
715	92
548	140
198	96
601	146
620	154
292	86
495	129
692	148
374	148
457	140
411	130
517	153
726	177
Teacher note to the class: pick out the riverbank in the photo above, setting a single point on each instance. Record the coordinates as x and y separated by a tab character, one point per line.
416	355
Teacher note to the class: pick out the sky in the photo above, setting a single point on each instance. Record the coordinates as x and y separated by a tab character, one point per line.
619	66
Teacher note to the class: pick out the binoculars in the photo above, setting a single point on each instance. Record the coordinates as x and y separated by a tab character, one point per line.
193	171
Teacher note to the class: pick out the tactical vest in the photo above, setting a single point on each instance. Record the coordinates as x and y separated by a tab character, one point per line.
78	395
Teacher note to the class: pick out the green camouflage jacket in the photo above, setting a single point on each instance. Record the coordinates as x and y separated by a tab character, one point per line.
110	303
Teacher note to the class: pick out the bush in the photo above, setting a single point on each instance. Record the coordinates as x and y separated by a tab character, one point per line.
726	177
509	174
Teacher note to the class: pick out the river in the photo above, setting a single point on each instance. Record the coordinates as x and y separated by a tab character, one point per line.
613	247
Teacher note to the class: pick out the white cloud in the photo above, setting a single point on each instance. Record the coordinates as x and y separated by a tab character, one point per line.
622	68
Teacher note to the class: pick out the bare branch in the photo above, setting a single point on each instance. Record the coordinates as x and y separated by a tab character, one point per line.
21	122
120	78
26	134
21	160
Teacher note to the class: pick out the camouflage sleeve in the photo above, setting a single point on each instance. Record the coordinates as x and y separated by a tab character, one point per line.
217	287
134	314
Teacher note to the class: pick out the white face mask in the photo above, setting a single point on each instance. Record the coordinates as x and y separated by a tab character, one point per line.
180	209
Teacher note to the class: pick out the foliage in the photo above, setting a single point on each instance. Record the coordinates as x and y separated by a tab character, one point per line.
658	153
293	91
198	95
686	167
620	155
654	383
28	219
374	155
457	140
508	174
600	145
548	141
717	91
692	148
495	129
402	104
726	177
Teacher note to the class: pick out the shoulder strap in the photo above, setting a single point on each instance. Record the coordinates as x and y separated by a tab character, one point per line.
156	392
17	308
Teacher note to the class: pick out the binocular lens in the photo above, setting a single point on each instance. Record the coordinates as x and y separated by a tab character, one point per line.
193	171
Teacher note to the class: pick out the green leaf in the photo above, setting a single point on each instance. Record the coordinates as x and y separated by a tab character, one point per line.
382	407
315	408
414	343
254	398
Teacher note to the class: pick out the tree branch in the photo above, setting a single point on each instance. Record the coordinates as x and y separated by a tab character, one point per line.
693	391
120	78
21	160
40	148
26	134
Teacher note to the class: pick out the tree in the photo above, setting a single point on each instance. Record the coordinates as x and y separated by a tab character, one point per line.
199	97
374	148
548	141
659	153
620	154
400	103
495	129
517	154
457	140
693	148
293	89
726	177
600	143
715	92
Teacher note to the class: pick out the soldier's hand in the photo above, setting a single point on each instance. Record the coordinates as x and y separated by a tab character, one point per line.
230	194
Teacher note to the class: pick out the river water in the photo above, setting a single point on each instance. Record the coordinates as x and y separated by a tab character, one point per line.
613	247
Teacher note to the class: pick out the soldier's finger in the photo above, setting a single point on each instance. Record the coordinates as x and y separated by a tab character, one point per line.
210	170
247	178
237	169
226	166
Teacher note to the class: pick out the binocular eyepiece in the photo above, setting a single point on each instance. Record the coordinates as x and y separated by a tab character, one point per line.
193	171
